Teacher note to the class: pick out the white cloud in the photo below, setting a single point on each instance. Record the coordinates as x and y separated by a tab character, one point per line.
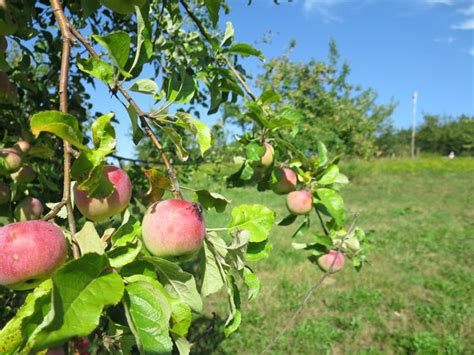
465	25
438	2
469	11
323	7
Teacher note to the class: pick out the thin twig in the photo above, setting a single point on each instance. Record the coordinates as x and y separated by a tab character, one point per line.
195	20
312	290
240	79
321	220
63	107
141	115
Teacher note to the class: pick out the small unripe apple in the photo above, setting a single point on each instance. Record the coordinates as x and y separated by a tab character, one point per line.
299	202
99	209
28	209
325	261
286	181
352	243
24	175
5	193
11	159
29	253
267	158
23	146
173	228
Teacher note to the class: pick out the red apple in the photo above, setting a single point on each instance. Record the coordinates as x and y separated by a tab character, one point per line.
97	209
29	253
28	209
299	202
286	181
325	261
173	228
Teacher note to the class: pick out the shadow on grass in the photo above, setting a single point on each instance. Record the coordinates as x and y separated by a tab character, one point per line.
206	334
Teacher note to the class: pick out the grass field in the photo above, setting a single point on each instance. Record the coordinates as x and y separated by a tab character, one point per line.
416	296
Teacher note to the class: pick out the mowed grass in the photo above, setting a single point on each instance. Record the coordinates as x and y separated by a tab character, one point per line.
415	296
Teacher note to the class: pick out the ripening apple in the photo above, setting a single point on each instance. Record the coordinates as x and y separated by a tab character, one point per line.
5	193
29	253
286	181
299	202
325	261
99	209
24	175
11	159
267	158
23	146
173	228
28	209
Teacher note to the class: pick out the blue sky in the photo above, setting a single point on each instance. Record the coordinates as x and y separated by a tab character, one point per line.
393	46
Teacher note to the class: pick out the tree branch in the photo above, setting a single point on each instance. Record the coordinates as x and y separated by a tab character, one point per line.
63	107
312	290
141	115
195	20
321	221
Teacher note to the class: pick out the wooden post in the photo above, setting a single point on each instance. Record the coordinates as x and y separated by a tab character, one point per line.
413	130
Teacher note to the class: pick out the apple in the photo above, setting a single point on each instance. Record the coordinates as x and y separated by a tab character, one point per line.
325	261
28	209
24	175
99	209
286	181
10	159
29	253
5	193
23	146
173	228
299	202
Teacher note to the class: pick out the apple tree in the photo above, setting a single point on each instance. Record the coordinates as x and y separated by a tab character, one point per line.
93	263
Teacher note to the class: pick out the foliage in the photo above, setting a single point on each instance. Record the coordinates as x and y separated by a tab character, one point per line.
112	291
437	134
343	115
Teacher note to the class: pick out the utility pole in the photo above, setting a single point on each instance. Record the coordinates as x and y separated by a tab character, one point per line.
413	130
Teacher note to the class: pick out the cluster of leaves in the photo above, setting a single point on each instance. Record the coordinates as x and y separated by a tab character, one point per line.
116	289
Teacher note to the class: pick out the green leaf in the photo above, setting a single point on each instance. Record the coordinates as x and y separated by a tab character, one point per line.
210	200
213	7
235	315
88	7
178	282
181	317
181	87
81	290
246	50
322	154
254	151
144	47
123	7
97	68
177	141
117	45
287	117
197	128
329	175
158	184
256	219
148	313
215	96
334	204
183	345
252	282
89	240
137	132
212	280
144	86
301	231
287	220
126	244
60	124
269	96
228	35
12	335
323	240
103	134
88	171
